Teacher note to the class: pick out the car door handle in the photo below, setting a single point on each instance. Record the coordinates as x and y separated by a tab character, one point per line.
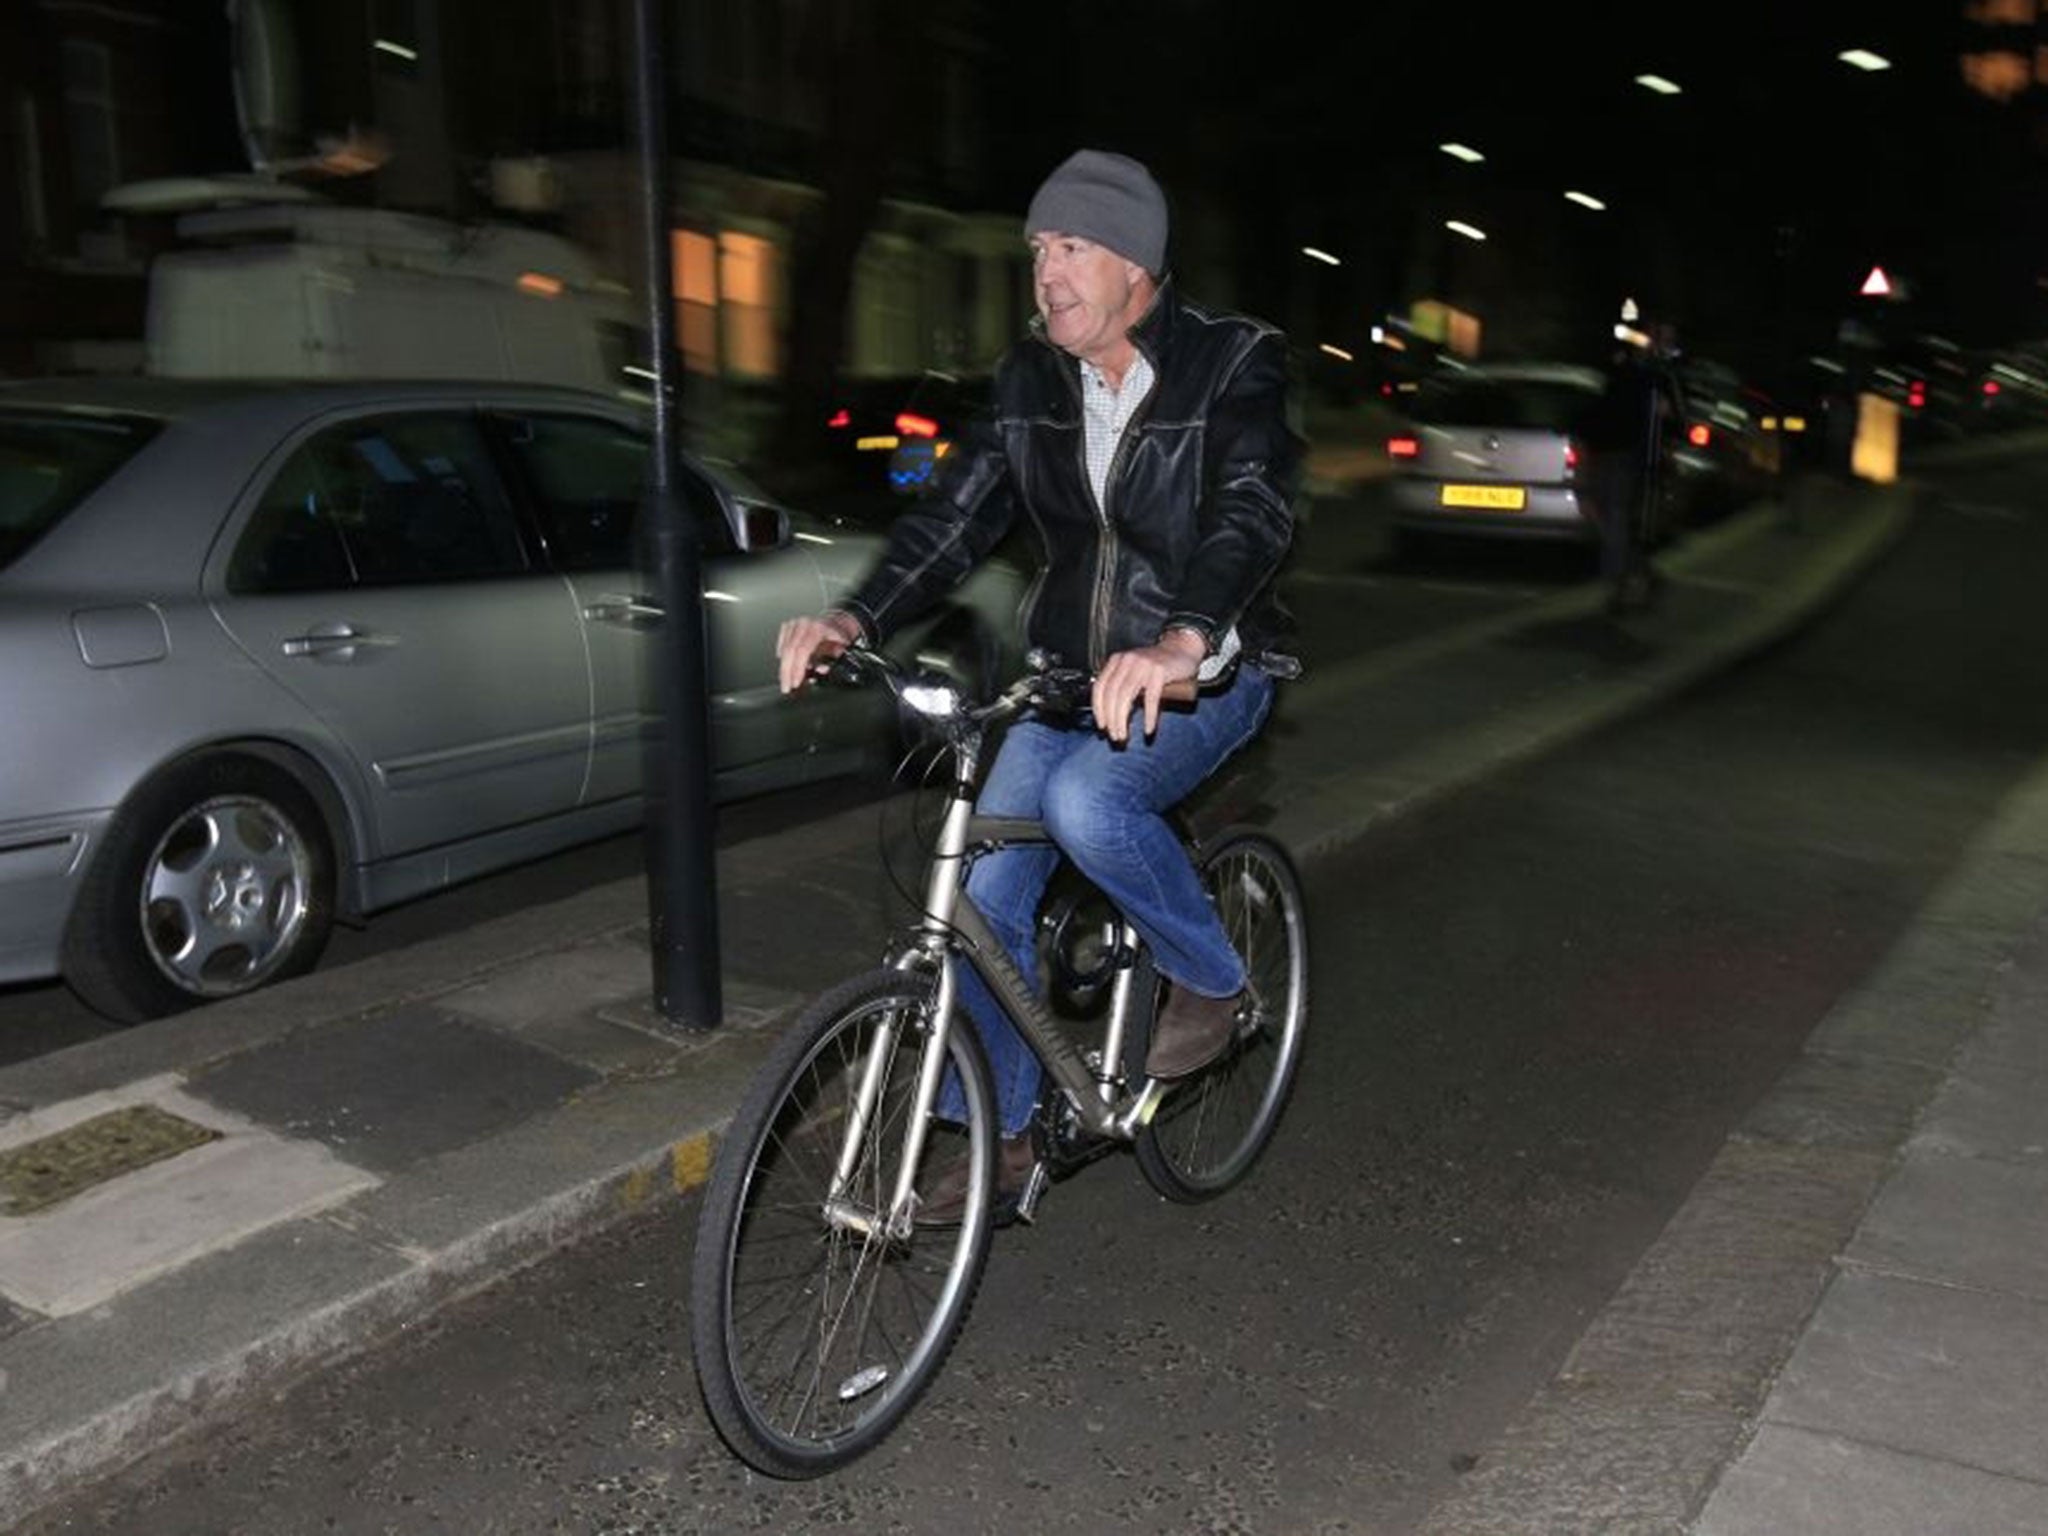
337	642
629	612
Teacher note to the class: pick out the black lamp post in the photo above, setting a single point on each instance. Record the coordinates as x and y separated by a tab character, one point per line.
682	876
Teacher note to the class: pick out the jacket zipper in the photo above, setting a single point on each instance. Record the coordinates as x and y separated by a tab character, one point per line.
1106	547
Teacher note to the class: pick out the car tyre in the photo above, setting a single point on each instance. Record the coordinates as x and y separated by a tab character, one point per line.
215	878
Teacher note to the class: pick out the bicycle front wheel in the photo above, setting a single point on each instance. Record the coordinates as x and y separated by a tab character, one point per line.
815	1320
1212	1127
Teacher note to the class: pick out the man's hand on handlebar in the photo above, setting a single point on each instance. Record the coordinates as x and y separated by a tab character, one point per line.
803	645
1149	676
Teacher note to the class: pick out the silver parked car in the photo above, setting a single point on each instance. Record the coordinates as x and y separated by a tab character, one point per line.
1501	451
1491	451
271	654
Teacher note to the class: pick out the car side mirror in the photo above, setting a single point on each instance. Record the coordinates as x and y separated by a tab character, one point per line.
762	527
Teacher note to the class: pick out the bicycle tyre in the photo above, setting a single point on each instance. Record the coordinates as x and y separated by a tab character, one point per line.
812	1341
1211	1128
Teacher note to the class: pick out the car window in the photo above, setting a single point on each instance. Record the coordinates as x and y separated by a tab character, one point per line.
587	477
381	501
1502	403
49	463
292	543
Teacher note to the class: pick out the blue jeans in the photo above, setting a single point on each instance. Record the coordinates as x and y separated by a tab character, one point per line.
1104	806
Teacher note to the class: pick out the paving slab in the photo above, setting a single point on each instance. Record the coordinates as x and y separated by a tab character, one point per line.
560	984
118	1235
1928	1369
1792	1481
387	1092
1988	1109
616	1145
1949	1220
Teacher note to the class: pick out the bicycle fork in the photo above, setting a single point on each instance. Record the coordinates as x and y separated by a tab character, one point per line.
895	1219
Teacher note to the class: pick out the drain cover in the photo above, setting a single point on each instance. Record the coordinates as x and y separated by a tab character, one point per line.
46	1172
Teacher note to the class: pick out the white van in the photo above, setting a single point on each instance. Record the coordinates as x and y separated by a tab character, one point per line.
309	291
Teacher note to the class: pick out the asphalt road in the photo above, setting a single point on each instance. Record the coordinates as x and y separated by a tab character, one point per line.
1539	1008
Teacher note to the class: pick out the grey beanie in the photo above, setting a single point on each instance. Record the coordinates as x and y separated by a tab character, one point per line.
1110	199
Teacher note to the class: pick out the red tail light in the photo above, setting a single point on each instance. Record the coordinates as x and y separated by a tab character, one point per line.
1991	386
841	418
1571	454
1699	434
916	426
1404	448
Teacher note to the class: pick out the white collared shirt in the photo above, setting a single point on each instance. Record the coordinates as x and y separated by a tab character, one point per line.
1106	413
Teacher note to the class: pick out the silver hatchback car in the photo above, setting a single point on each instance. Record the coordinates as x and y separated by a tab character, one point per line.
1492	451
270	654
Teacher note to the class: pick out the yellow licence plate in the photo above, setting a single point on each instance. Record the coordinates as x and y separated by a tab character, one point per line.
1498	498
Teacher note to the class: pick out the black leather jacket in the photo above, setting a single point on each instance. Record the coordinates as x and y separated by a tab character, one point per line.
1200	496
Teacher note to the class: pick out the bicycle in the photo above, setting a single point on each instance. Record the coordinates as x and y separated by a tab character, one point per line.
822	1308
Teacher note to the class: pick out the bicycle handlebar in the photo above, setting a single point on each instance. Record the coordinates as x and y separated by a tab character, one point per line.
1047	685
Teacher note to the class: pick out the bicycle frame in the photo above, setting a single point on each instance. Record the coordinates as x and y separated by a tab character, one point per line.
952	928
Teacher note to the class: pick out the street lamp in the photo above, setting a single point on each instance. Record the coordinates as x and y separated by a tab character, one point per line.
1460	227
1864	59
1463	152
1323	256
1658	84
1586	200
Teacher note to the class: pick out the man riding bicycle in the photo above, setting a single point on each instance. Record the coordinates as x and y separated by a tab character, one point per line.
1148	440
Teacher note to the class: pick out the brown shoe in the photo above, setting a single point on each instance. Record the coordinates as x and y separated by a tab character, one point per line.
1191	1031
947	1202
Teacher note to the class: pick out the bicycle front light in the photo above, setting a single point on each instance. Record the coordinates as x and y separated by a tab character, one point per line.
937	701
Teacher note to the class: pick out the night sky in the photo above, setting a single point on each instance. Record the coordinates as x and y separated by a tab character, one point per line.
1746	209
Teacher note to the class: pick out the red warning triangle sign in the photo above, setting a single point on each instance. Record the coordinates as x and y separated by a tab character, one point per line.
1877	285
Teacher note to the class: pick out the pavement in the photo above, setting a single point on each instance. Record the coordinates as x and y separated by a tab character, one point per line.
1842	1330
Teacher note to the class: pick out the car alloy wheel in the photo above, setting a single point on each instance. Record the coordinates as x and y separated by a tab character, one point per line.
224	895
215	877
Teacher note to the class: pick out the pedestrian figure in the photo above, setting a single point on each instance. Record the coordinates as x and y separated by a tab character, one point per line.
1625	440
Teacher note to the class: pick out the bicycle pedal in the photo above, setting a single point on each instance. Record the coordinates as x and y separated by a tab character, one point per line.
1034	1190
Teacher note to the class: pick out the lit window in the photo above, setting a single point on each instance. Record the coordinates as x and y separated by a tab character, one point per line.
696	290
2001	76
2001	13
746	282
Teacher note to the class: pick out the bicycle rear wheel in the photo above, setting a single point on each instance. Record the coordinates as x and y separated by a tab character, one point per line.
1212	1127
815	1329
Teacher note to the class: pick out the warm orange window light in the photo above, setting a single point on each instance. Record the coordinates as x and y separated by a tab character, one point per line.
1699	435
696	271
695	259
746	290
1999	75
540	283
